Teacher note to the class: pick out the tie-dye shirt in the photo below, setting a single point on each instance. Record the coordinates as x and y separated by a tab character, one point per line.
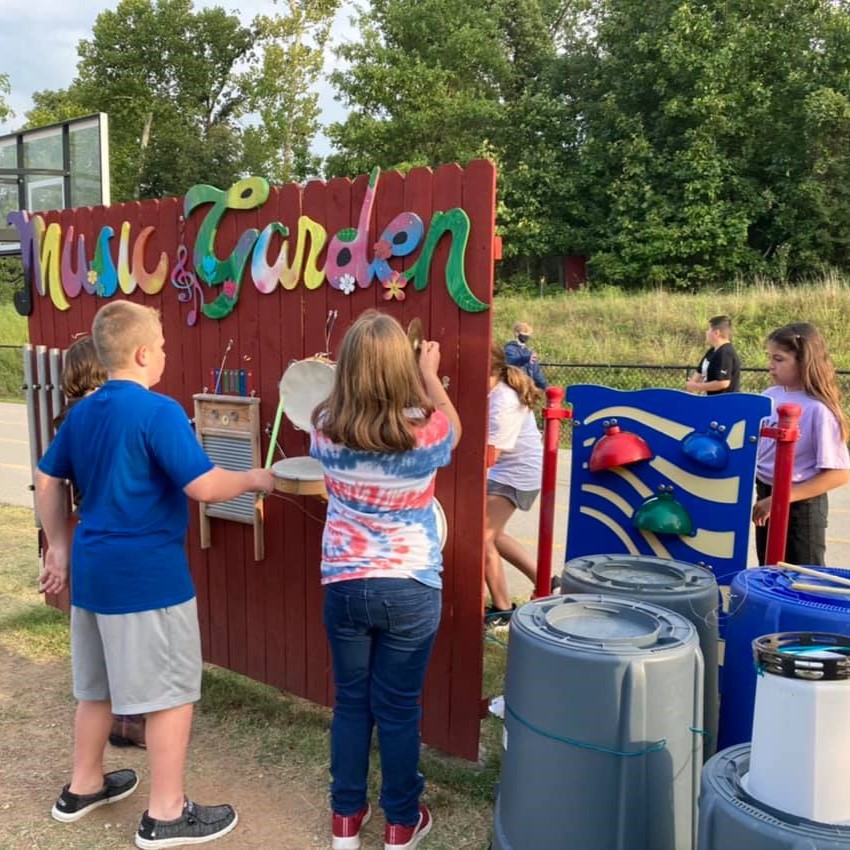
380	521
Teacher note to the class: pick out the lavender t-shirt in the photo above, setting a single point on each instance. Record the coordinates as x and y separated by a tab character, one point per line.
819	446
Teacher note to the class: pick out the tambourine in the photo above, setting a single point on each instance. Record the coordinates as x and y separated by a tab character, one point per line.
304	386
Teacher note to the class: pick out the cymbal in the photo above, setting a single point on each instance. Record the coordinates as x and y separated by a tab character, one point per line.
415	334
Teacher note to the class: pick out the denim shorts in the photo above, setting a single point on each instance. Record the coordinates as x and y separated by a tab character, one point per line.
522	499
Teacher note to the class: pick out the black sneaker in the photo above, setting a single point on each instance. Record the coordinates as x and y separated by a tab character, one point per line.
116	786
197	825
498	618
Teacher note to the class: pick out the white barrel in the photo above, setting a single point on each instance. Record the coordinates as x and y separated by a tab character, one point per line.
801	727
801	748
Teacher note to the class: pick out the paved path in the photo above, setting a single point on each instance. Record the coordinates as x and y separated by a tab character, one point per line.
15	475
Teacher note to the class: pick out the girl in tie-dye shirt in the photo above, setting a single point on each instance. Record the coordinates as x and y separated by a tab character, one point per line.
381	436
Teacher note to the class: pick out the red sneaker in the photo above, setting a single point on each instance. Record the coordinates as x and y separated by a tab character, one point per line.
398	837
346	828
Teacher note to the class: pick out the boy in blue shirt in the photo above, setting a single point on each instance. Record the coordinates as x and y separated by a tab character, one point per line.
135	643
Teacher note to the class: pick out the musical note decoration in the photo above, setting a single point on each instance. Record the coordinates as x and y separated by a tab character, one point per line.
188	287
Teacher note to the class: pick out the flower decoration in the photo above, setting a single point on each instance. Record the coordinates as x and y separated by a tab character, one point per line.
346	283
92	277
395	287
229	287
383	249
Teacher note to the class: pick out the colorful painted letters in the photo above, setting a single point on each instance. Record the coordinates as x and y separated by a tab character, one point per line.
60	267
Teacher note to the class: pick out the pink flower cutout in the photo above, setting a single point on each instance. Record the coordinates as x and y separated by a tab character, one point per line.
229	287
395	287
383	249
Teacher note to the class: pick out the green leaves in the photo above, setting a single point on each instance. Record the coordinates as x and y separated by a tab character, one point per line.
179	85
5	89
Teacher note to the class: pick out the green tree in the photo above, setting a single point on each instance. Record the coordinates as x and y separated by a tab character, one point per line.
166	75
5	90
433	81
51	106
422	85
281	89
713	138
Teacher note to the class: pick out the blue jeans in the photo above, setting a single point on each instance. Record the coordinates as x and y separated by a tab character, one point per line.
381	632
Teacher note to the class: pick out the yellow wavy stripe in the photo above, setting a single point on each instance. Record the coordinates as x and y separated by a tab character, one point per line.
632	479
720	490
617	529
735	440
666	426
715	544
610	496
125	277
655	544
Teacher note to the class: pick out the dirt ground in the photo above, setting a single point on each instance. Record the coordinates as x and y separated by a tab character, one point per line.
36	711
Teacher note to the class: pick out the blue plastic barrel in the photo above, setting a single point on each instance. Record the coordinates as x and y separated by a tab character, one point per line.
763	602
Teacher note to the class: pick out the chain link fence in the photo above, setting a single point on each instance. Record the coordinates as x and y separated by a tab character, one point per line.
642	376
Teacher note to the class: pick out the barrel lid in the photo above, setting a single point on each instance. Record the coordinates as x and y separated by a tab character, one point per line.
769	583
608	623
639	573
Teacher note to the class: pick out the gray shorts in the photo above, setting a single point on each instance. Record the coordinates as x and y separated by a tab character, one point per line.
523	499
142	662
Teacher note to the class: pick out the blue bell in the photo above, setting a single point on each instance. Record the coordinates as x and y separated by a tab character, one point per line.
708	449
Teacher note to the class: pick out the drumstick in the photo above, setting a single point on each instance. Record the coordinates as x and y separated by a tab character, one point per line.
819	588
806	571
273	442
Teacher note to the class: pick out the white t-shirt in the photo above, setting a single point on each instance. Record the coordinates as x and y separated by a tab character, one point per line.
513	430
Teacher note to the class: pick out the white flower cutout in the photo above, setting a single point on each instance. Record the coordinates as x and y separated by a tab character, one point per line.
346	283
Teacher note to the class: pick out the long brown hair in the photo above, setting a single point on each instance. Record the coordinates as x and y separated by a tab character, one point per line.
817	373
377	383
514	377
82	373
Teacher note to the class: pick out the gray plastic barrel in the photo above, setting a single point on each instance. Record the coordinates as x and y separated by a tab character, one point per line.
602	697
730	818
688	589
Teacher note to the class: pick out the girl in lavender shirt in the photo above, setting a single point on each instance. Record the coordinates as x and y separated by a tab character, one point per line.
803	374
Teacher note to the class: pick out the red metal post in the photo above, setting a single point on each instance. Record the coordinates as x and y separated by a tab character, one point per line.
785	433
553	413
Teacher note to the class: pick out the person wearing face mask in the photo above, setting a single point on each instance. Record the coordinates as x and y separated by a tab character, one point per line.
518	353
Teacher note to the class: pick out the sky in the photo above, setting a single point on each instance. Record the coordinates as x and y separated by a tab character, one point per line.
38	48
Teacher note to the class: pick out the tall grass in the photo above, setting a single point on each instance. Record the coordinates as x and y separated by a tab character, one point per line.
606	325
661	327
13	331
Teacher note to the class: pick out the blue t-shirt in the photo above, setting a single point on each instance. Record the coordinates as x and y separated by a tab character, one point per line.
129	452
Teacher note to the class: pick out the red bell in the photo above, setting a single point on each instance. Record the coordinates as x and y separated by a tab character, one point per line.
617	448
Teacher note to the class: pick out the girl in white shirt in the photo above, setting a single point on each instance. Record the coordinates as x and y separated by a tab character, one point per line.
515	450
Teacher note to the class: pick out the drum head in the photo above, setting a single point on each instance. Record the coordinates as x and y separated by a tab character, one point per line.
303	387
442	525
302	476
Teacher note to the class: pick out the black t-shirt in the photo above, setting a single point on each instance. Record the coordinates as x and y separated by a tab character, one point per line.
722	364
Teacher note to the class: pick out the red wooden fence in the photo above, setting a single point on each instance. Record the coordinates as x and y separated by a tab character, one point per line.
263	619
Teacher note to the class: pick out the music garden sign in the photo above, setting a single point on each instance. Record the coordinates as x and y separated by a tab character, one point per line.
58	265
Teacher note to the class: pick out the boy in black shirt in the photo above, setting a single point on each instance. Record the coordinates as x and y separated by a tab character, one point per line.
720	369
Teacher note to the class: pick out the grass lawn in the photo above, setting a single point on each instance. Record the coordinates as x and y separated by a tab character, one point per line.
279	736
